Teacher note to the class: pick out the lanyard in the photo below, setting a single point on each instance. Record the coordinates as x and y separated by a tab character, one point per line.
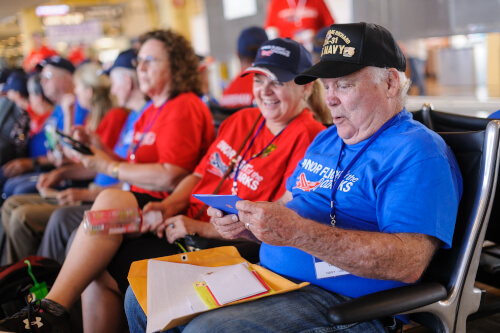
349	166
239	166
135	146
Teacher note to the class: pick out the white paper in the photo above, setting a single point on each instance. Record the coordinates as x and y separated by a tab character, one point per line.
232	283
171	293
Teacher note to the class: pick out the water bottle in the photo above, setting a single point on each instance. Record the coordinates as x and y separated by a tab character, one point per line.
118	221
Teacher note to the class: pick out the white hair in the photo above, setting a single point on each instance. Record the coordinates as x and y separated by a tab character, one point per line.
378	75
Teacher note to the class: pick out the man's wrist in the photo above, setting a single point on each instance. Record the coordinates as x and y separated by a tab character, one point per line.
35	164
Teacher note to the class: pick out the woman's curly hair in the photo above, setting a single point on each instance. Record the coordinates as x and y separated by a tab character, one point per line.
183	61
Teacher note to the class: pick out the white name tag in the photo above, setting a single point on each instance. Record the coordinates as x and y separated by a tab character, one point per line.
325	270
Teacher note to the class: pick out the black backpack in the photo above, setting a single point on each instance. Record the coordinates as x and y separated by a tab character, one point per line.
14	130
15	282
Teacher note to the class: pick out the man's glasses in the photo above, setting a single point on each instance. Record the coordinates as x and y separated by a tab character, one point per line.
47	75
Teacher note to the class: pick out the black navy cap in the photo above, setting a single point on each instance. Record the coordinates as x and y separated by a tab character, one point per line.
351	47
280	59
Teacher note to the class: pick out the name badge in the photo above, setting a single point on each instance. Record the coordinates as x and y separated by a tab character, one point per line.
325	270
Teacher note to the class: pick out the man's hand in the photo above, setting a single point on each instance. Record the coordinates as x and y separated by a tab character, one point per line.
228	226
17	167
49	179
74	195
269	222
99	162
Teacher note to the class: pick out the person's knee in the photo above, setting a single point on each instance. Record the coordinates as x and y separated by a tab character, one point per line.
113	198
18	223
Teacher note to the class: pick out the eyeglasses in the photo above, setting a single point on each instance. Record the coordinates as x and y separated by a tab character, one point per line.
146	61
47	75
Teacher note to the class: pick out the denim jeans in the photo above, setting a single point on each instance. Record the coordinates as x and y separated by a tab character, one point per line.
303	310
22	184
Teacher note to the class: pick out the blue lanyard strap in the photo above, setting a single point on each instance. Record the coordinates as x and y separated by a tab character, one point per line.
239	166
349	166
134	147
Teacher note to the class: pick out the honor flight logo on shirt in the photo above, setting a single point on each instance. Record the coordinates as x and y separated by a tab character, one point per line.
247	175
304	185
327	174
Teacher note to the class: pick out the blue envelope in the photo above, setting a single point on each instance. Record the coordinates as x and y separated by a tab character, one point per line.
225	203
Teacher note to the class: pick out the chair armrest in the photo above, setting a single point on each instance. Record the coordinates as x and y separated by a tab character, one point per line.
387	303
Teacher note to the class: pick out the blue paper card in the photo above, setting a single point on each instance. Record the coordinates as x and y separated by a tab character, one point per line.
225	203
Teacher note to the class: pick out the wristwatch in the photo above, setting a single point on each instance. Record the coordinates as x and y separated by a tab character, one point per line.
36	165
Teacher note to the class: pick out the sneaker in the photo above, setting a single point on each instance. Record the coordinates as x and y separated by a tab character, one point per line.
33	318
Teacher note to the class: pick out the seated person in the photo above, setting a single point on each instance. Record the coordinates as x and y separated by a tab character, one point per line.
56	79
24	217
283	129
375	195
64	220
239	93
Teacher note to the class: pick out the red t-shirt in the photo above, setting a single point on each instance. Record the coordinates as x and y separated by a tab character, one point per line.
37	120
291	19
239	93
111	125
180	135
35	56
264	177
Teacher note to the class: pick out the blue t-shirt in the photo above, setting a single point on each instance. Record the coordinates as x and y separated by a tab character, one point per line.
407	181
37	145
495	115
121	146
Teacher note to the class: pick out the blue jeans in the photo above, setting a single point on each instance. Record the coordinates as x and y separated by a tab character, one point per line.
303	310
22	184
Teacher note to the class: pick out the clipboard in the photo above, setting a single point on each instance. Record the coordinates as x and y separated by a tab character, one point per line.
220	256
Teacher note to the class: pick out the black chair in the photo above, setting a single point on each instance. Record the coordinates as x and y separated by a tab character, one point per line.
446	296
439	121
220	113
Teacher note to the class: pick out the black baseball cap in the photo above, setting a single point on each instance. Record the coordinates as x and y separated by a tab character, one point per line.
280	59
57	61
351	47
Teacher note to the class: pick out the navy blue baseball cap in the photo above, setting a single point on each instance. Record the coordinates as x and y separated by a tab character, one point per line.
58	62
250	40
125	59
351	47
16	81
4	75
280	59
319	39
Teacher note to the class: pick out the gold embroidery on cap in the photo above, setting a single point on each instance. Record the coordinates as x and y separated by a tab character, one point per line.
348	52
330	45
